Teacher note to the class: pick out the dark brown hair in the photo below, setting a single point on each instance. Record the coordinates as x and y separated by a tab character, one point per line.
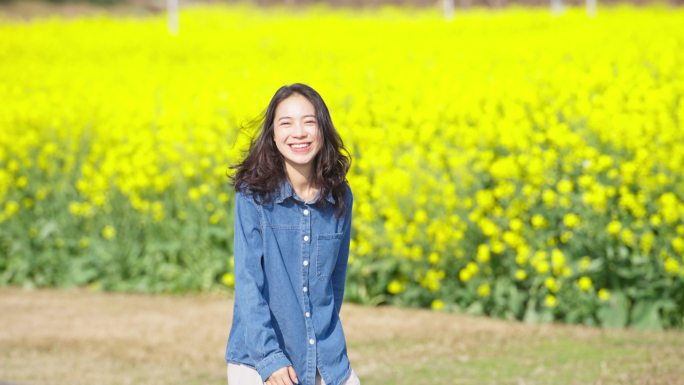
263	166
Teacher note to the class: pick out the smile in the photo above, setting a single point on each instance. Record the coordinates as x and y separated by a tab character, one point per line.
300	147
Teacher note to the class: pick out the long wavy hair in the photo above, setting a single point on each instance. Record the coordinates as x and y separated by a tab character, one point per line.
263	167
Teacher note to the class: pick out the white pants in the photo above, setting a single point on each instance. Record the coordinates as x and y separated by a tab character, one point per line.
239	374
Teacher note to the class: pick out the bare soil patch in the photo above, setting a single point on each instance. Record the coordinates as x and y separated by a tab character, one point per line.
76	336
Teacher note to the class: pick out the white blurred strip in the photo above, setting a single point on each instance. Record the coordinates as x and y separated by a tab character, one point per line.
448	9
172	10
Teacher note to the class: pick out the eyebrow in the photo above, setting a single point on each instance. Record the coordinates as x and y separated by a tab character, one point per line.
288	117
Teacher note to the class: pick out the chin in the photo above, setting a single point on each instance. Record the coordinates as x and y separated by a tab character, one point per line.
302	163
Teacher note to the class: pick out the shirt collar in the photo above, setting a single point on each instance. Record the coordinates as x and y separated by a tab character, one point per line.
285	191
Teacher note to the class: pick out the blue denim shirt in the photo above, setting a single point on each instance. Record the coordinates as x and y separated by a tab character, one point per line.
290	270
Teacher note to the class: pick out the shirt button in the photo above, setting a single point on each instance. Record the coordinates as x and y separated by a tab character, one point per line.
306	263
306	238
311	341
306	211
307	314
305	289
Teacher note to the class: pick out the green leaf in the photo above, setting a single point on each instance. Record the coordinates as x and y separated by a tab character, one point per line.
47	230
531	315
645	315
545	316
615	312
475	308
517	300
623	252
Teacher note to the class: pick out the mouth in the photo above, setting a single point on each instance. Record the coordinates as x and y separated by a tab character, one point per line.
300	147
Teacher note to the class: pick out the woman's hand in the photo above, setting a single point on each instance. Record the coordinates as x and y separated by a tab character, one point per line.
283	376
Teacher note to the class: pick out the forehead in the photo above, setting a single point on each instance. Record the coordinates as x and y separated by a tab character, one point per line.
294	105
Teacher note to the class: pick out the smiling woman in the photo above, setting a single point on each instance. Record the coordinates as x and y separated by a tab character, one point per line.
292	230
297	137
480	170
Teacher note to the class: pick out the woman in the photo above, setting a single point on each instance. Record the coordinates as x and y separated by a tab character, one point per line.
292	232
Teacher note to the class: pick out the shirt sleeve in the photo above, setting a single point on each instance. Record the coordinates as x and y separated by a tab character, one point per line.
263	346
339	273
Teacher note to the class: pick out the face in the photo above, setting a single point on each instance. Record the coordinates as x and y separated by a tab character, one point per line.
295	124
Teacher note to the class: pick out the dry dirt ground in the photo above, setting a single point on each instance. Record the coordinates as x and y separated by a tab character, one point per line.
76	336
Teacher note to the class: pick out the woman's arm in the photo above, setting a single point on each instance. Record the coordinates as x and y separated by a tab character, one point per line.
262	343
339	273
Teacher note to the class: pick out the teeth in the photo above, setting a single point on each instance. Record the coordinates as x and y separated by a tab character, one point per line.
300	145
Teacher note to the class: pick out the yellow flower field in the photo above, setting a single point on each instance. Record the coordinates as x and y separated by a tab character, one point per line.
514	163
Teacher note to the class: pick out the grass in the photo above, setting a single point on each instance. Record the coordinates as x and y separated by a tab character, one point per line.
77	336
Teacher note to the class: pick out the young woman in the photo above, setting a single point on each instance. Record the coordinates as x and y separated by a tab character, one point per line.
293	217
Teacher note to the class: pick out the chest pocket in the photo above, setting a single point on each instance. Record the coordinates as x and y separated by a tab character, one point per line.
327	248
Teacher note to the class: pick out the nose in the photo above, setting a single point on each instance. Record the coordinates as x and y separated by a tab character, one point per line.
298	130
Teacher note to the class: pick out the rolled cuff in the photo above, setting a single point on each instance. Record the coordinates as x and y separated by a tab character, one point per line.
270	364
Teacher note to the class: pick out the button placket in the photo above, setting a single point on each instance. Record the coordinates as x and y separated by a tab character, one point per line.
305	273
307	226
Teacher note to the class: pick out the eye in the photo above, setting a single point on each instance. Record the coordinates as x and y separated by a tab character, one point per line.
284	123
311	122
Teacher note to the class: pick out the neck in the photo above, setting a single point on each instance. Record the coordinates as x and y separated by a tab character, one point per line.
300	177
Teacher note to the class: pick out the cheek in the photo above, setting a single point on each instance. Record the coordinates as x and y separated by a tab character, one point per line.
278	136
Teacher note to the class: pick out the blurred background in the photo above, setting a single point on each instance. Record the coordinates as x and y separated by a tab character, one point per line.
513	161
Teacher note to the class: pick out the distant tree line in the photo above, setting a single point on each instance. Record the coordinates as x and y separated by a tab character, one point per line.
457	3
160	5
